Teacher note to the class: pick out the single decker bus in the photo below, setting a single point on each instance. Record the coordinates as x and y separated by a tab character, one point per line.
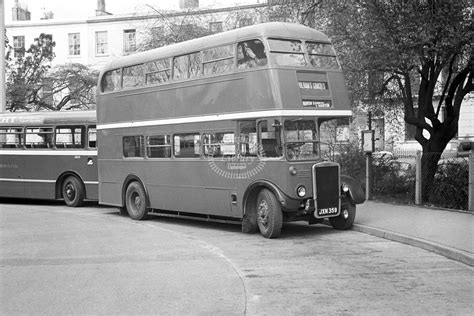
49	155
228	127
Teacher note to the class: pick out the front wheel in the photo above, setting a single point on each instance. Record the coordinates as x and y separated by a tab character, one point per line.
269	214
135	201
345	219
73	191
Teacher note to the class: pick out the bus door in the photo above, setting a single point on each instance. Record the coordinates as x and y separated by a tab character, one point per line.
220	150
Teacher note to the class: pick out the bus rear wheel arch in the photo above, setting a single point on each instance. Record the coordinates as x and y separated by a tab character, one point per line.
73	191
136	201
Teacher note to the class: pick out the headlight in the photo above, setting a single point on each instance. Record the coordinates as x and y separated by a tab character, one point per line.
293	170
345	188
301	191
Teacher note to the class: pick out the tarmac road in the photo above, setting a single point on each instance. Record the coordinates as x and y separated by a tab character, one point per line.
91	260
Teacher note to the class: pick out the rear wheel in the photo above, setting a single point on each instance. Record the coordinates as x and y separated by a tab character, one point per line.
345	219
135	201
269	214
73	191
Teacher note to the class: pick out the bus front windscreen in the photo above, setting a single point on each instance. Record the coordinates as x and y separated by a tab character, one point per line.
301	139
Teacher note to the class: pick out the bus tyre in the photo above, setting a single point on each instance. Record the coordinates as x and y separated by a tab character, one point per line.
73	191
135	201
345	219
269	214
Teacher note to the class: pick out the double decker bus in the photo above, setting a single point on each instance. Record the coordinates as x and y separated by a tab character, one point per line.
49	155
228	127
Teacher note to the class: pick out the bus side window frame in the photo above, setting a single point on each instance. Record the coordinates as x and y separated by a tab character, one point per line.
198	142
19	137
138	151
72	145
117	85
275	147
88	140
167	147
248	61
48	142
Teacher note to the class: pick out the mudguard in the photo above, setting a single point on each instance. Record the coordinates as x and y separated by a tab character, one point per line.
356	192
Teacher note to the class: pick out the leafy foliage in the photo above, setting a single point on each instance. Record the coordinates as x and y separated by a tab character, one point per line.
33	85
451	185
417	54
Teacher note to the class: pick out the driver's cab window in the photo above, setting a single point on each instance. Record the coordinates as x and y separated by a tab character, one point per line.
270	138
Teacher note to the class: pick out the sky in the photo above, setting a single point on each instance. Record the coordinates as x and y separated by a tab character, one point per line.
81	9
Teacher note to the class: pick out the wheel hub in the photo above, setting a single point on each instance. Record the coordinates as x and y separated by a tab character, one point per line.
263	212
70	192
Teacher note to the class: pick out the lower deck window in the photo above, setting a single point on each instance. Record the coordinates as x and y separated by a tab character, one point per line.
69	137
158	146
187	145
39	137
133	146
219	144
10	137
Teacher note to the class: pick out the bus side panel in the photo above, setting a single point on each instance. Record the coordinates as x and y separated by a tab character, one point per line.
12	173
43	179
237	93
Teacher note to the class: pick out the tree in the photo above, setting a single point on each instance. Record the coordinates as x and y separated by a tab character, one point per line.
169	28
70	86
25	73
32	84
418	52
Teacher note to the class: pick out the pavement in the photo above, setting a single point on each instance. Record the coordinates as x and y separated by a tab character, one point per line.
445	232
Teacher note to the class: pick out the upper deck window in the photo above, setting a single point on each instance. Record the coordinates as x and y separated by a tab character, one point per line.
218	59
287	52
111	81
158	71
133	76
251	54
322	55
187	66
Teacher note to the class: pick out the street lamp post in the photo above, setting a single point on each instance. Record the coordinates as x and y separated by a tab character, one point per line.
3	100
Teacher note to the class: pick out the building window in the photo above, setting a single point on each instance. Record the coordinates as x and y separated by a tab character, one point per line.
188	4
101	43
18	46
157	35
245	22
215	27
74	44
129	41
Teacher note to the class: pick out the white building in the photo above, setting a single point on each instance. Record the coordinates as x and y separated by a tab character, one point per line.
98	39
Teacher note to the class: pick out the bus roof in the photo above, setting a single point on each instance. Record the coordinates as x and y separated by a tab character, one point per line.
271	29
47	118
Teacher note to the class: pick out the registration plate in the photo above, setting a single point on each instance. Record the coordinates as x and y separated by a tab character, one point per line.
328	211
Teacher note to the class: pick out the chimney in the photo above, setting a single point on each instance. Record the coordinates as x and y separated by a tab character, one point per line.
19	13
101	8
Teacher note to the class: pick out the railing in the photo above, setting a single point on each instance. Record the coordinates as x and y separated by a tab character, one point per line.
396	177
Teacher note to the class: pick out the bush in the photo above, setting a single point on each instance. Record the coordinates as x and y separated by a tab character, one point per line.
451	185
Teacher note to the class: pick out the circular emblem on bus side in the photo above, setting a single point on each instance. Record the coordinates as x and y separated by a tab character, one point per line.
237	166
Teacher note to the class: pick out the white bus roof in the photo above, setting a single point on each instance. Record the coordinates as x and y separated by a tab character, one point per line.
272	29
46	117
